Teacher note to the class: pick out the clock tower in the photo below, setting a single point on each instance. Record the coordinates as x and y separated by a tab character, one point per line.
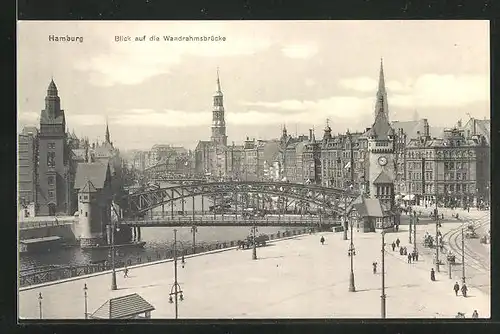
380	138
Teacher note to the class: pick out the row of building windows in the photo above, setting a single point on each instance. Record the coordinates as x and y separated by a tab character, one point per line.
429	188
446	154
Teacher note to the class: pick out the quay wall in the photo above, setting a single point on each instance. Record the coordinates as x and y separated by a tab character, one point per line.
66	232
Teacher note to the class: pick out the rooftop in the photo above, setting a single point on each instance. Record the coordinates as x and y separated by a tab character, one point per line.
122	307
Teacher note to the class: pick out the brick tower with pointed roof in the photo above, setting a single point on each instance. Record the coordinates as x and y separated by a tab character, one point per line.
54	174
380	137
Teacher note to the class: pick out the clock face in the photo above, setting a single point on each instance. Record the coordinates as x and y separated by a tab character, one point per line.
382	161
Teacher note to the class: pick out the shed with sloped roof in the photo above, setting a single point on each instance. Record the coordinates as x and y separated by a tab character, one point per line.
130	306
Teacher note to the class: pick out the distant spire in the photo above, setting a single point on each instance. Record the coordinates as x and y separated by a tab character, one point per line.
108	140
218	81
52	89
381	105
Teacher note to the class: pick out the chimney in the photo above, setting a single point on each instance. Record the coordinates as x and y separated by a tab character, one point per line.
310	134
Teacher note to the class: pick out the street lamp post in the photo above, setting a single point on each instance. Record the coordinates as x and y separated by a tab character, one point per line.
194	229
176	288
113	269
40	303
463	255
410	229
437	243
351	252
415	222
382	296
254	249
346	220
85	296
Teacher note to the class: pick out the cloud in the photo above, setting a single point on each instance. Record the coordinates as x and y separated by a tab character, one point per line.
28	117
361	84
86	119
429	90
432	90
131	63
310	82
309	110
161	118
300	51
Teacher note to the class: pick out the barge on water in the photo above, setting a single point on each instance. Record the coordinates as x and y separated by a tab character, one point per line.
37	245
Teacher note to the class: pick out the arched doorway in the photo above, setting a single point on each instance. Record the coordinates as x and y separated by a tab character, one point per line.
52	209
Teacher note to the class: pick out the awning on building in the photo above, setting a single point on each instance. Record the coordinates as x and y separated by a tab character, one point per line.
409	197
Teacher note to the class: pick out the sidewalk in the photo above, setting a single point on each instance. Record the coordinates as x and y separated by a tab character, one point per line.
296	278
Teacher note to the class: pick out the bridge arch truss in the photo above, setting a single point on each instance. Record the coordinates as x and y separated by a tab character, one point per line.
333	199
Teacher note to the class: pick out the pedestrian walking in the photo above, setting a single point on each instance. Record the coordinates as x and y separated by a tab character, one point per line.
125	272
416	256
468	209
409	258
397	242
464	290
374	264
393	246
413	256
456	288
405	251
475	315
322	240
433	275
401	251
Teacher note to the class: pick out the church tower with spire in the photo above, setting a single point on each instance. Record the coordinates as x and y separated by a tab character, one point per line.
381	104
54	175
218	122
381	155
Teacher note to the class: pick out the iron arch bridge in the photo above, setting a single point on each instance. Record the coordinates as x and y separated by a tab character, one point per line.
334	199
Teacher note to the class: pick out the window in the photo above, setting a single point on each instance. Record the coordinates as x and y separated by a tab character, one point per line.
458	176
452	165
50	180
51	159
458	187
51	146
464	176
51	194
452	188
452	176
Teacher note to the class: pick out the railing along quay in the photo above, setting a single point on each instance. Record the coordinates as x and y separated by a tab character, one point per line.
32	276
230	221
39	224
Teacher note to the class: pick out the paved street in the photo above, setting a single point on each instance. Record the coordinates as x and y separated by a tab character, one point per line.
297	278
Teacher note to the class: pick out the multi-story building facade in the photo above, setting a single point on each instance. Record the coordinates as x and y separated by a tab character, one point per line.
55	175
454	170
312	160
337	168
27	154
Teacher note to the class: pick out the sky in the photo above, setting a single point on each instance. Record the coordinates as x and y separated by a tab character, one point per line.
297	73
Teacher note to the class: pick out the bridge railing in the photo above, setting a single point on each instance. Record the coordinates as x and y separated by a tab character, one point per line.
43	223
33	276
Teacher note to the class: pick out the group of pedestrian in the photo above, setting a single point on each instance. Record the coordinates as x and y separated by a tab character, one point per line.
457	288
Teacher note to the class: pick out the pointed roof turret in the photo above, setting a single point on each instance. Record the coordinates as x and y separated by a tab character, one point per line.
381	104
52	89
218	92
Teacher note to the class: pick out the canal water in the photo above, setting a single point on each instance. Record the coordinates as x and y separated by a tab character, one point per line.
158	241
